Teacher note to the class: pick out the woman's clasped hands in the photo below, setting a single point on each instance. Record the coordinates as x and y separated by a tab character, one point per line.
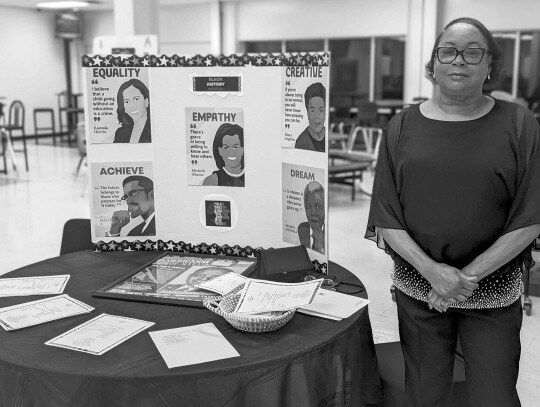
449	285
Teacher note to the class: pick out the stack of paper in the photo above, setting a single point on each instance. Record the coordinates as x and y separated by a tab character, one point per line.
260	296
333	305
41	311
224	283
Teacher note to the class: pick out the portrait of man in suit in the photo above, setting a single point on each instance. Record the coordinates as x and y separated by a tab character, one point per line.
311	233
139	198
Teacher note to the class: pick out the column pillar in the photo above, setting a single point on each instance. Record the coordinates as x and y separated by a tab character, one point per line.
216	27
229	31
421	35
136	17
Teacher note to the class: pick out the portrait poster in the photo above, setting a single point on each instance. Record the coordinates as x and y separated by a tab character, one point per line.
206	204
172	278
123	198
305	107
215	145
218	212
304	207
118	105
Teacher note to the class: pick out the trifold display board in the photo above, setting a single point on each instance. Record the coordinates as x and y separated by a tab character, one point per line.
215	154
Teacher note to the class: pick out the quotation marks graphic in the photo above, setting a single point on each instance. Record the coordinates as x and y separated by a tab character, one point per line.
287	126
192	126
97	118
194	162
288	83
94	82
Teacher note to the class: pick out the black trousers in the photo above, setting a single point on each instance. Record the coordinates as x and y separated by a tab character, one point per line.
491	349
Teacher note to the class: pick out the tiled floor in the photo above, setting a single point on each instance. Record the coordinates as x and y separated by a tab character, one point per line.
36	204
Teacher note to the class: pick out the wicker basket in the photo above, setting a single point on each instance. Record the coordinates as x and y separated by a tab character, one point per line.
225	306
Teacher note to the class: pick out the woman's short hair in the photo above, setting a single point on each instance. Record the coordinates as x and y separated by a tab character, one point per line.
123	117
226	129
316	89
495	54
313	187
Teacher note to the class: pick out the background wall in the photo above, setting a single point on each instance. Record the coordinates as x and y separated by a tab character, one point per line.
96	23
303	19
32	67
499	15
32	62
185	29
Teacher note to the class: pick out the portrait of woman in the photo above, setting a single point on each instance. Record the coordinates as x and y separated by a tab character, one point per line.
456	204
228	149
133	113
313	137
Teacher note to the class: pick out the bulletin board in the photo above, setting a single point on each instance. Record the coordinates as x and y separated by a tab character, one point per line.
208	154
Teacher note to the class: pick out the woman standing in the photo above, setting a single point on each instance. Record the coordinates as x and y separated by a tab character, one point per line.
456	203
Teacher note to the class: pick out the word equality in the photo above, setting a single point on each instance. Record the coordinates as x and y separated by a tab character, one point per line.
116	72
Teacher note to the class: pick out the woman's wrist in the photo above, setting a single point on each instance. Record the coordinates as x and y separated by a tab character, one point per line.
471	273
426	268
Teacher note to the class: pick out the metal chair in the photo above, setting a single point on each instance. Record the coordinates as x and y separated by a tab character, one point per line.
81	145
15	124
3	137
68	109
531	287
49	128
76	236
367	115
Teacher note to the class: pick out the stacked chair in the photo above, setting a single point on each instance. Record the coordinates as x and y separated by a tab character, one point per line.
347	166
14	125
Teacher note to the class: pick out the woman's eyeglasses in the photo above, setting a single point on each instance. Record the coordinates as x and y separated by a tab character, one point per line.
328	283
332	283
472	56
131	194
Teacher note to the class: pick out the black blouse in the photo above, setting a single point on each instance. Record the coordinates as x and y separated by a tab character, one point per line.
456	187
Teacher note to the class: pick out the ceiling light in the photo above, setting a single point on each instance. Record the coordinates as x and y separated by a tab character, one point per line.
63	4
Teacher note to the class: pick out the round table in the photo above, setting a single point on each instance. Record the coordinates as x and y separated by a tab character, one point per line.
309	362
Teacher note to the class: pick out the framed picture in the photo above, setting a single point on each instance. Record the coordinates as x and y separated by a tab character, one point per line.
171	278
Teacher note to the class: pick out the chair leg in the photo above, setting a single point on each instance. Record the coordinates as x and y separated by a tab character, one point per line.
11	150
25	150
79	166
35	128
4	152
354	186
53	127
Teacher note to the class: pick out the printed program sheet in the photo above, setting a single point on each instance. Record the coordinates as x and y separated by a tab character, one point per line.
192	344
100	334
41	311
43	285
264	296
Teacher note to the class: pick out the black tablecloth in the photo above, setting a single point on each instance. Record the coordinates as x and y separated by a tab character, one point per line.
309	362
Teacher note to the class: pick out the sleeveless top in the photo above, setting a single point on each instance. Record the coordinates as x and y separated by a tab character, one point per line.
226	180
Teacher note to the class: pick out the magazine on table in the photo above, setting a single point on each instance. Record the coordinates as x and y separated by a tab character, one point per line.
175	278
